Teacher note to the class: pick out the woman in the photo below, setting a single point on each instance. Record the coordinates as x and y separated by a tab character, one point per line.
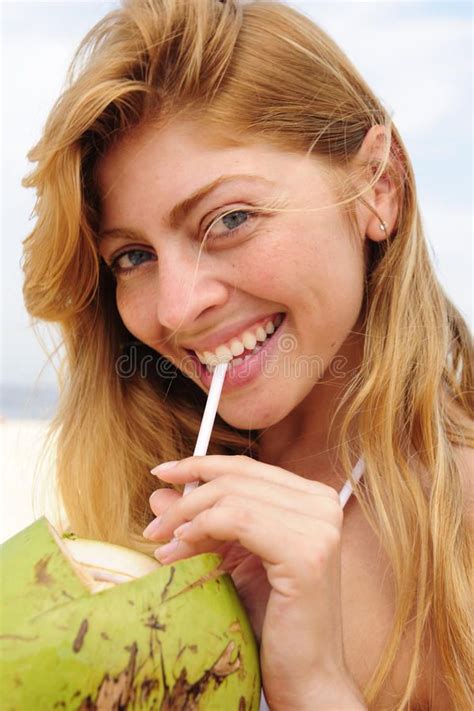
307	240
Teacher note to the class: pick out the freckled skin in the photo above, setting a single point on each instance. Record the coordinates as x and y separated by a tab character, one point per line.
307	264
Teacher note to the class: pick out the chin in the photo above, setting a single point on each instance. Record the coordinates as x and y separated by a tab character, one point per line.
249	419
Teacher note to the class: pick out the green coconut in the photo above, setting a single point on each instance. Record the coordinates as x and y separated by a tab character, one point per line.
91	626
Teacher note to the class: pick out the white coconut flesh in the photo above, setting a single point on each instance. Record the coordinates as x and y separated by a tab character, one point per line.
103	565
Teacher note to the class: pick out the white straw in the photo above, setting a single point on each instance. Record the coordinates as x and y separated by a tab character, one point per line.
208	418
346	491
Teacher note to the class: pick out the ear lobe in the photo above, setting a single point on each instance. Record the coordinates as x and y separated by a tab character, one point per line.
381	200
385	204
381	235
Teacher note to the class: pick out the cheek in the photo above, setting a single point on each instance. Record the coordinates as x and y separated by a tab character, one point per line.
136	311
343	275
319	274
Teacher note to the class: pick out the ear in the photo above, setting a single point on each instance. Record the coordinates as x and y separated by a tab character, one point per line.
383	195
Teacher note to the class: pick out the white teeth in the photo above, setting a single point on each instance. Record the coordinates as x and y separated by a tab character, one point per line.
246	341
237	347
223	354
239	361
210	358
249	340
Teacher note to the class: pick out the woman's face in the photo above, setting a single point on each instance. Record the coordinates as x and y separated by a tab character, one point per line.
305	265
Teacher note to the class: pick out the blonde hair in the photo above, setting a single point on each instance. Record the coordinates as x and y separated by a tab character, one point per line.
412	395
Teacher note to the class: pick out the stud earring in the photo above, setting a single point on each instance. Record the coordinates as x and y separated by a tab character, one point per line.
383	226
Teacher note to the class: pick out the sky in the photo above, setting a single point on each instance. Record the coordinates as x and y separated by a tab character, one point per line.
416	56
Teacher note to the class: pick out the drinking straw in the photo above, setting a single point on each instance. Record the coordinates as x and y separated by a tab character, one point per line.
208	418
346	491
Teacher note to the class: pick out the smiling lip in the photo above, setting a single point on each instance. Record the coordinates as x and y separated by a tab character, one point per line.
226	334
240	375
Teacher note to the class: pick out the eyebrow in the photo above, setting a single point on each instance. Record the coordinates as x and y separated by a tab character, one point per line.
182	209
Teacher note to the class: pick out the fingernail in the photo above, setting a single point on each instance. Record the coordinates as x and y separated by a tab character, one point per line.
152	528
163	467
178	532
166	550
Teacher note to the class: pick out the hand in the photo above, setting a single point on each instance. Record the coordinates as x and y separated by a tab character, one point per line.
280	537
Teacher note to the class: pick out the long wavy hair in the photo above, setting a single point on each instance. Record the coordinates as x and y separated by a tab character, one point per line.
412	394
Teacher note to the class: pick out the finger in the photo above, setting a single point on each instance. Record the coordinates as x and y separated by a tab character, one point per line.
239	490
301	550
176	549
212	466
161	499
241	511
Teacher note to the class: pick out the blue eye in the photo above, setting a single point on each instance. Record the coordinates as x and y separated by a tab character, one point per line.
232	221
135	258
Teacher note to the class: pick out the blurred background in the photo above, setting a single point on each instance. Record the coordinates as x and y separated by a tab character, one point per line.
416	56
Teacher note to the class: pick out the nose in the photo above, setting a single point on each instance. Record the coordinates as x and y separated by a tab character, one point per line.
187	289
